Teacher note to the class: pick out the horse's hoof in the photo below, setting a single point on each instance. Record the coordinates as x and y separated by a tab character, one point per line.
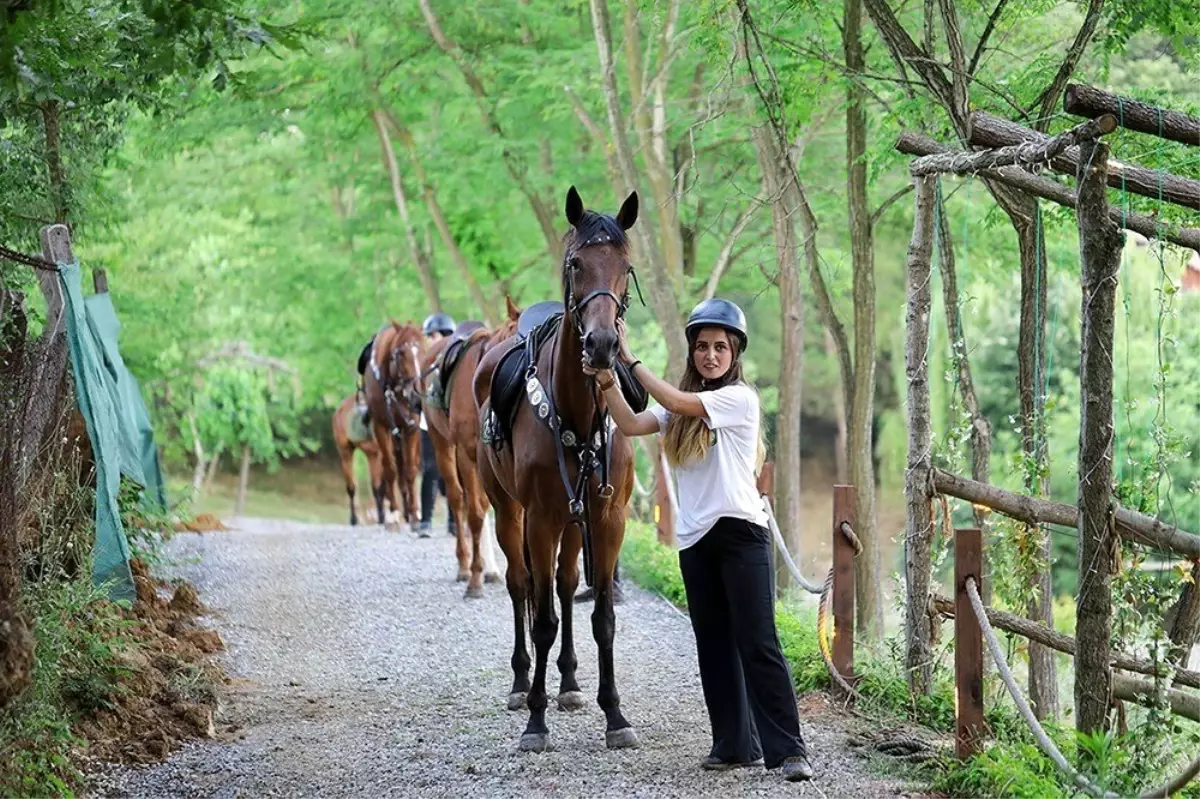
571	700
516	701
391	527
474	592
462	577
492	577
621	739
534	742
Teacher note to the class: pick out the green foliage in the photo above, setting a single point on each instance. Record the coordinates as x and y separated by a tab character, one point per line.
239	407
81	646
650	564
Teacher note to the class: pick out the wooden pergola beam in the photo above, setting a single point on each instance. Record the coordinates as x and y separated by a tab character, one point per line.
1036	631
1023	151
1087	101
1130	524
919	144
988	130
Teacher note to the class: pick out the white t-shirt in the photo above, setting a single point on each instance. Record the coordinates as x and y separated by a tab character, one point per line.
723	483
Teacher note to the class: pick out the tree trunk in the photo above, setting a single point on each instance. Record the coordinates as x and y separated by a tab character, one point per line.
663	296
841	445
1185	620
517	169
420	259
862	410
243	482
429	194
1100	250
1031	388
210	473
981	428
54	165
918	528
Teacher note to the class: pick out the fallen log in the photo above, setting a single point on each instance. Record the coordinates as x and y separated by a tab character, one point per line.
992	131
918	144
1087	101
1026	151
1035	631
1143	692
1130	524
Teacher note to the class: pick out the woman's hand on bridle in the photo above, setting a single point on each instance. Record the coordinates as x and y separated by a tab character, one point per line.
625	355
605	378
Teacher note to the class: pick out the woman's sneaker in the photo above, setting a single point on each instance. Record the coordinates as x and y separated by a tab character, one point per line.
714	763
797	769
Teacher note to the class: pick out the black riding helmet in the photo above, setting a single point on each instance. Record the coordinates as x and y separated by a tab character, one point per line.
718	313
438	323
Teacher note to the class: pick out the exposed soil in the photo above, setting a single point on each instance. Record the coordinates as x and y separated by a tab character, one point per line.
171	691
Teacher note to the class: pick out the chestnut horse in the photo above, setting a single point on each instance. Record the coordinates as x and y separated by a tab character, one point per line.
454	431
346	444
539	466
392	387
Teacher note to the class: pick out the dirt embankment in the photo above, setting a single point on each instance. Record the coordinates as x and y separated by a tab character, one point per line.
172	686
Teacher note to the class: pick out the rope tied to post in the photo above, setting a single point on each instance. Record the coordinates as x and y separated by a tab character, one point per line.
28	260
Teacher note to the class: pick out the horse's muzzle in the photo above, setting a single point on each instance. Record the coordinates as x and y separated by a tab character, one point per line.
600	348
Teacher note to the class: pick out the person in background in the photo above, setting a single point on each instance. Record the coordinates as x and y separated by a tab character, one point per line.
712	437
435	327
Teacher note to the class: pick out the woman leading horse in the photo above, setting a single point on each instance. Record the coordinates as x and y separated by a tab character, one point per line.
557	475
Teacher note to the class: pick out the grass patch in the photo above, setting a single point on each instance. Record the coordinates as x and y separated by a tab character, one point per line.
80	664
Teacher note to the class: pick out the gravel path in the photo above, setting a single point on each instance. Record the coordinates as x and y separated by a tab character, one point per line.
359	670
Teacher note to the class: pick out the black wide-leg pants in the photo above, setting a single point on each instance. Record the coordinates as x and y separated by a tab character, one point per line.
747	684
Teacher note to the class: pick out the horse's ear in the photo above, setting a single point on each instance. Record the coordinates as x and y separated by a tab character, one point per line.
574	207
628	213
514	313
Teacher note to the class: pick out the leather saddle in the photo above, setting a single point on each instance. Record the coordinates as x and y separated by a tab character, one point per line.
508	381
437	392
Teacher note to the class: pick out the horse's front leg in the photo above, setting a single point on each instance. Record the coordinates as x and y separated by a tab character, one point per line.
569	695
541	538
606	543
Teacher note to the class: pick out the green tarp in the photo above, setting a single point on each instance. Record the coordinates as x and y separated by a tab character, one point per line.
118	425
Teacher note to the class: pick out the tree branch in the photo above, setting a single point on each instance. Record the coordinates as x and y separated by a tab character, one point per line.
981	45
1049	98
725	257
889	202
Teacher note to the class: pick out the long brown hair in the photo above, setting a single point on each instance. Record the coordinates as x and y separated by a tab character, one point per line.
687	438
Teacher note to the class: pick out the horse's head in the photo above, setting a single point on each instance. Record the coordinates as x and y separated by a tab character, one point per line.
596	273
402	364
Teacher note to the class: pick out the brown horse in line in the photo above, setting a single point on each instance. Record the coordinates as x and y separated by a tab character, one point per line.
541	479
454	432
391	385
346	442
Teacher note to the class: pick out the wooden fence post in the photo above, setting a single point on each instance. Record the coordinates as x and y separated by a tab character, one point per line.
843	583
664	516
968	645
100	280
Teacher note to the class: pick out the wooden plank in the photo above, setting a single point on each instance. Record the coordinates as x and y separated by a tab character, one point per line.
1036	631
1088	101
1100	245
968	645
843	583
918	525
988	130
919	144
1024	151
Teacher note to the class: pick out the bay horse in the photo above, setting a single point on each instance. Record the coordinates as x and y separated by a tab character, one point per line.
391	384
546	437
346	439
452	418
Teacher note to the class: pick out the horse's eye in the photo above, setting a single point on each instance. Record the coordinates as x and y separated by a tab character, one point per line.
575	263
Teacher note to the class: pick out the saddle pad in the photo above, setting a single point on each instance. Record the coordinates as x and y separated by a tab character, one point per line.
508	381
438	392
356	425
